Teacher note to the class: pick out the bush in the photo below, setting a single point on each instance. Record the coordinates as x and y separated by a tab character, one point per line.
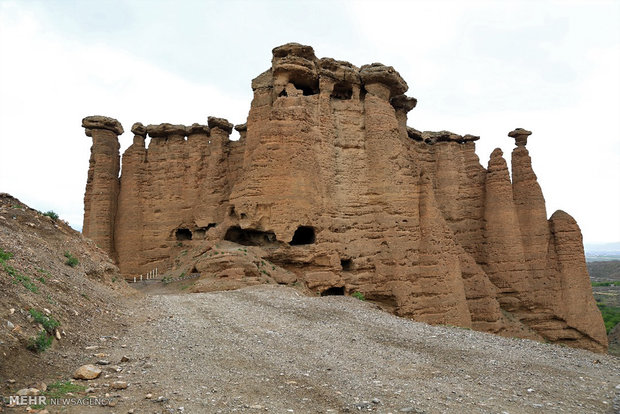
358	295
71	260
51	215
41	342
49	324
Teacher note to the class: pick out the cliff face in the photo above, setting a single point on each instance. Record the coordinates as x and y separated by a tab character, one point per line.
331	182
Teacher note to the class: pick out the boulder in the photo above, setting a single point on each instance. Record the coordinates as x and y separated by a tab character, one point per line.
87	372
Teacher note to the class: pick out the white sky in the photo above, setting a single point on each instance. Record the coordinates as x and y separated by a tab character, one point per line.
475	67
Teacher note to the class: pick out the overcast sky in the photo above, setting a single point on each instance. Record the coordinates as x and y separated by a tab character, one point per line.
475	67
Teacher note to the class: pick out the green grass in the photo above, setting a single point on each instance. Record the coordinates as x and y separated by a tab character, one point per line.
23	279
15	275
41	342
60	389
48	322
71	260
358	295
612	283
611	315
4	256
51	215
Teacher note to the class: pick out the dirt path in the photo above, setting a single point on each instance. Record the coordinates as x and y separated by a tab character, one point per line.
269	349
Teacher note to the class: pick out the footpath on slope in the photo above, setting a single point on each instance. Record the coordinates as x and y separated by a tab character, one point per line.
269	349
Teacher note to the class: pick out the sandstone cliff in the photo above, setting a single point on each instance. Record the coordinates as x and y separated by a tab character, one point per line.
337	191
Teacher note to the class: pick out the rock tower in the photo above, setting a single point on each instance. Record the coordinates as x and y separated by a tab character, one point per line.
328	178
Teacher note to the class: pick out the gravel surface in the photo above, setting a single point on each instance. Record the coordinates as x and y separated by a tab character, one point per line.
270	349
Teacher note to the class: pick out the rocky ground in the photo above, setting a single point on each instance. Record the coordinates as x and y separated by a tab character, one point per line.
271	349
85	298
264	348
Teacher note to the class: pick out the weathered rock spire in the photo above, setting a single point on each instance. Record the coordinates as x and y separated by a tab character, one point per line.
102	185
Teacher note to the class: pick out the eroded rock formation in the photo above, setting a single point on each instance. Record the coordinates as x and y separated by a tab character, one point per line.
334	189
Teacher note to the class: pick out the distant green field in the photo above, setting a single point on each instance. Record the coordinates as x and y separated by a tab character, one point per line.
599	284
611	315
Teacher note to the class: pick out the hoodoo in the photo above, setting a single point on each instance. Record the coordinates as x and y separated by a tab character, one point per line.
330	181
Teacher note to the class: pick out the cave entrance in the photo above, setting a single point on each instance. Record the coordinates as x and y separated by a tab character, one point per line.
333	291
342	90
183	234
303	235
307	91
306	85
250	237
201	232
346	264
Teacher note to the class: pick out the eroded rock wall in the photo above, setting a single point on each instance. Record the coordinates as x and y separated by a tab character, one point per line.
331	184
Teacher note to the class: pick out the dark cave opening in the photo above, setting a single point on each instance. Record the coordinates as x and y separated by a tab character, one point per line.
346	264
303	235
250	237
342	90
307	91
201	232
333	291
183	234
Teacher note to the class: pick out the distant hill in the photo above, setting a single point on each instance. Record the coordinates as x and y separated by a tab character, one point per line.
604	270
599	252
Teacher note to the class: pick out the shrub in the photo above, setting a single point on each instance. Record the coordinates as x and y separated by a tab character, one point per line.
41	342
358	295
71	260
49	323
51	215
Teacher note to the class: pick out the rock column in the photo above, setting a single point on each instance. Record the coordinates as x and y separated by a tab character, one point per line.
102	186
128	231
532	213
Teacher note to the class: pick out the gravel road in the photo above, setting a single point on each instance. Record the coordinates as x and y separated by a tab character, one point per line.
270	349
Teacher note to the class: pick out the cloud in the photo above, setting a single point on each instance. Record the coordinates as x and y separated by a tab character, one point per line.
476	67
49	83
488	67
